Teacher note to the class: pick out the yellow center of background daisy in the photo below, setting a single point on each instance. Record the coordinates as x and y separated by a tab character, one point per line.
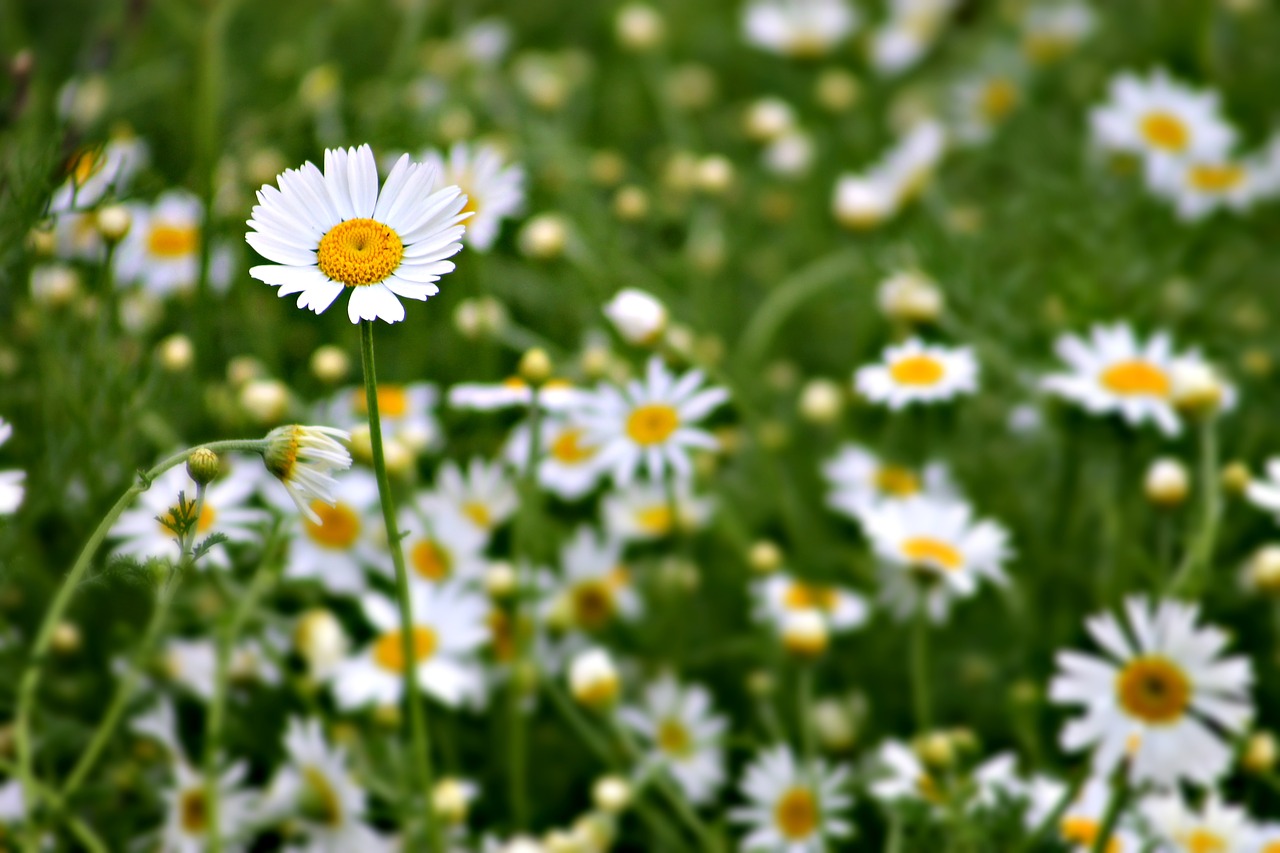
318	800
472	205
568	447
172	241
1215	179
803	596
652	423
673	738
192	811
917	370
207	516
86	165
932	552
388	650
478	512
1153	689
1164	130
393	401
338	528
1133	378
359	252
796	814
1084	832
896	480
430	560
928	789
1204	841
654	519
593	604
998	99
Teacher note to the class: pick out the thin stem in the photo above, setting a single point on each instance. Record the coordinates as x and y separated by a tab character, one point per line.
920	666
808	742
417	723
1119	799
526	523
1194	570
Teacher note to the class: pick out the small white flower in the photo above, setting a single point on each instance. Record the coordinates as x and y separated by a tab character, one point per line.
642	511
334	232
11	482
1159	117
568	465
864	201
594	587
1163	697
484	496
557	395
1200	186
912	29
1052	29
798	28
900	774
406	412
639	316
1081	821
186	828
593	678
1215	826
780	595
792	807
441	544
162	248
160	723
336	547
302	458
96	172
494	190
684	732
916	372
860	481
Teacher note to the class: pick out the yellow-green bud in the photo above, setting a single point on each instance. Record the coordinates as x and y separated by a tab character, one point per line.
203	465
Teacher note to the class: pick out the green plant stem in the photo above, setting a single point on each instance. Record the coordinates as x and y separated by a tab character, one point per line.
1193	572
1119	799
808	742
920	666
413	705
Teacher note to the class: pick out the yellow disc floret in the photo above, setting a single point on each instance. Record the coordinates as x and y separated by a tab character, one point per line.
359	252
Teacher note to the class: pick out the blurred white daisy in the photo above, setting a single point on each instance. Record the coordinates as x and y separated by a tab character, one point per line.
447	632
95	172
186	828
651	422
898	774
192	663
225	510
594	587
859	481
913	159
910	31
934	548
568	465
484	495
314	789
1052	29
441	545
407	413
11	482
982	102
916	372
162	249
303	458
780	595
798	28
1214	826
335	231
680	724
642	511
335	549
555	395
1200	186
1264	493
792	807
1080	823
1162	700
1113	371
160	723
1160	117
864	201
494	189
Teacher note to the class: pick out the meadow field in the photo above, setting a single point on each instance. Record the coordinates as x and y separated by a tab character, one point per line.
563	427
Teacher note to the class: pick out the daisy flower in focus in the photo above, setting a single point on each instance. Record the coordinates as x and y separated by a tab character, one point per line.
1215	826
1080	823
1200	186
595	586
650	422
798	28
484	495
162	248
448	631
225	510
11	488
1163	700
678	721
780	595
568	465
916	372
934	548
860	481
440	546
335	231
335	548
792	807
1113	371
1159	117
302	459
315	789
642	511
186	828
494	190
556	395
1265	493
407	413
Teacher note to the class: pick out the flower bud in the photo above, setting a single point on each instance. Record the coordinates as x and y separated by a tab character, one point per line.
535	366
176	353
611	794
500	580
836	90
834	724
265	400
639	27
1196	388
769	118
1167	483
66	638
630	203
114	222
936	749
805	634
1263	570
543	237
607	168
861	203
320	640
714	174
451	800
42	242
764	557
1235	478
910	297
330	364
55	285
593	679
1260	753
203	466
821	401
637	315
479	318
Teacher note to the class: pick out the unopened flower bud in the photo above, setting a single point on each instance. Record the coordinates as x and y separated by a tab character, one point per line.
176	353
821	401
910	297
1260	753
330	364
714	174
543	237
639	27
245	368
66	638
114	222
203	466
764	557
836	90
500	580
593	679
479	318
611	794
1167	483
1196	388
596	360
1263	570
451	800
535	366
265	400
55	285
42	242
630	203
1235	478
834	724
769	118
936	749
761	683
639	317
320	640
805	634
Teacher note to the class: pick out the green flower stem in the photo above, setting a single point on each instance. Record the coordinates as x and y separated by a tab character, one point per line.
263	579
34	671
1119	799
413	704
920	667
1192	574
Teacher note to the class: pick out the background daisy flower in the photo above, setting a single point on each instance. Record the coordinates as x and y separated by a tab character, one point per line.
792	807
780	595
569	464
642	511
680	726
407	413
440	545
336	231
11	488
859	481
493	188
916	372
594	587
798	28
483	495
335	548
1161	117
162	248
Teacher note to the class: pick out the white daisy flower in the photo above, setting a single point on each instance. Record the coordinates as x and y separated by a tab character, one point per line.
651	422
160	723
193	663
302	457
899	774
1200	186
315	789
1160	117
1081	821
861	481
642	511
864	201
186	828
448	630
780	595
639	316
407	413
556	395
11	482
595	587
13	804
162	248
225	510
335	549
1163	698
916	372
798	28
983	102
996	782
441	545
911	30
1215	826
484	495
1050	30
793	808
569	465
93	173
934	548
494	189
911	162
1265	493
1113	371
679	723
334	232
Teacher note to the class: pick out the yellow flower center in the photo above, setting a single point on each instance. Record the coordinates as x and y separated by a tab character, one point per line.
393	401
86	164
652	423
674	739
502	637
172	241
1154	689
593	604
803	596
1134	378
1202	840
1084	832
431	560
207	516
897	481
478	512
192	811
338	528
1273	847
359	252
923	550
1164	130
473	203
998	99
388	650
654	519
318	800
917	369
1215	179
569	449
928	789
796	814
